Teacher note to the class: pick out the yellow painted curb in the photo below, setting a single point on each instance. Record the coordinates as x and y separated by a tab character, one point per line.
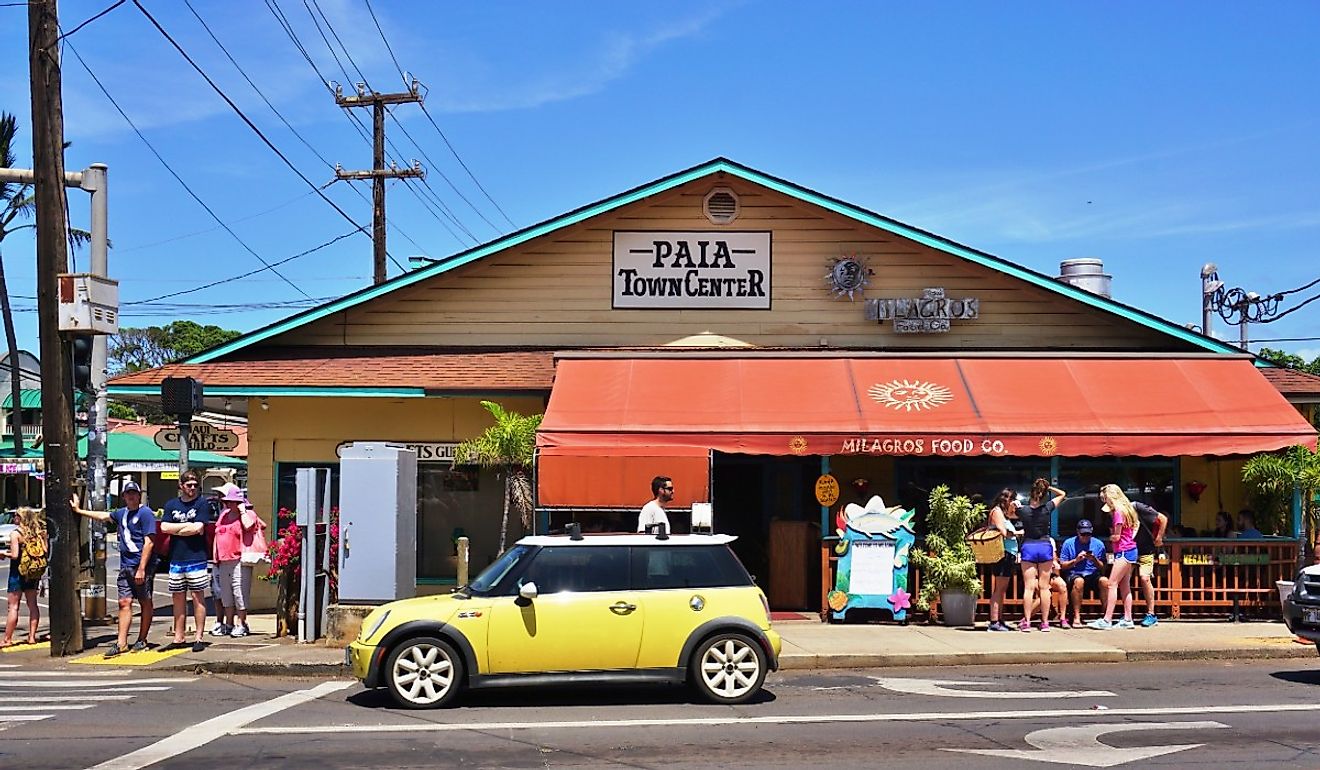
143	658
25	647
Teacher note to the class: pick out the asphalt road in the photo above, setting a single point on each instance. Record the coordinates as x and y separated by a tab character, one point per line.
1249	714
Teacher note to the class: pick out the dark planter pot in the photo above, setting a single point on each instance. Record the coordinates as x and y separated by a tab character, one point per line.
958	608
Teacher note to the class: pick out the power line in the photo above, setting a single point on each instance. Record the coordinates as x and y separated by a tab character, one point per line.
1291	310
452	151
1300	288
175	174
89	21
279	114
316	248
248	121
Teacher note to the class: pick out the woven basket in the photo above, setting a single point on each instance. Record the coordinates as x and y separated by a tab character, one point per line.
987	546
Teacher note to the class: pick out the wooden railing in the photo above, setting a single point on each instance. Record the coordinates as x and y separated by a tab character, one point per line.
1210	578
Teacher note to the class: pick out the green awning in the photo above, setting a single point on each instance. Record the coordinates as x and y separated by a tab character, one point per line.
131	447
27	399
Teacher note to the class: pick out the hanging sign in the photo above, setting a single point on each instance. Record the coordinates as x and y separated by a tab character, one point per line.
928	314
827	490
427	451
692	270
202	437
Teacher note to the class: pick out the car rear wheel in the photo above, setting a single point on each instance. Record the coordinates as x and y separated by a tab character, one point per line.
728	668
424	673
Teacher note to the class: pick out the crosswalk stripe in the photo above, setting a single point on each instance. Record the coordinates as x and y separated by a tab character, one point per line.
62	698
24	717
5	707
93	683
48	674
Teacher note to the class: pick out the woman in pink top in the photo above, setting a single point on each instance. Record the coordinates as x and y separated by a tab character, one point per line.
233	528
1123	544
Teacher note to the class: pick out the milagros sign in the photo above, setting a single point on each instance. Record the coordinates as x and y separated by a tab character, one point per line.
929	313
692	270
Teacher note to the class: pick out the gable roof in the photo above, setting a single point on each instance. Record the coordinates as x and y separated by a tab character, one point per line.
709	168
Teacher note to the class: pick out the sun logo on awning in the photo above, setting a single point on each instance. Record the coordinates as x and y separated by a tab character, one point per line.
910	395
797	445
1048	446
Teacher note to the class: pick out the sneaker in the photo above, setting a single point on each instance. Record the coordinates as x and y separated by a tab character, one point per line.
1149	621
1100	624
999	626
138	646
239	631
1064	624
114	650
198	646
1124	623
1045	626
1023	625
222	630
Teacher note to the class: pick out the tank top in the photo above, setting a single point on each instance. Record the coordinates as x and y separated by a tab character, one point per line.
1036	520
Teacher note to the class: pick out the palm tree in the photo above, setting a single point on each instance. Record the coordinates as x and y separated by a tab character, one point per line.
507	446
1274	478
17	200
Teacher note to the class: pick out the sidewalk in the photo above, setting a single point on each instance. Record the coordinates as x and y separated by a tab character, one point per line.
808	644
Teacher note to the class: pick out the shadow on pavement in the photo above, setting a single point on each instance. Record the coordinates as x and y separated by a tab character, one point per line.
1308	676
565	695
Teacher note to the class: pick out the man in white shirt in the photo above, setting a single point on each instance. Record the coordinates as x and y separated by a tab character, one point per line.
654	512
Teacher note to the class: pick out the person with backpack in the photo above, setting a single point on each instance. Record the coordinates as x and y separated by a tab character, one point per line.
28	555
135	524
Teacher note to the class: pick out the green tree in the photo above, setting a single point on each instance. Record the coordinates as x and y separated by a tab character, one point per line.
1291	361
508	446
136	348
1272	478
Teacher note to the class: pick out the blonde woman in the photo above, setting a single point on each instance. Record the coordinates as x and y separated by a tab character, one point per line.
31	532
1123	544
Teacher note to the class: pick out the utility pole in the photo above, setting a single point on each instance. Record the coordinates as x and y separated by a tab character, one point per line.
378	173
59	448
96	181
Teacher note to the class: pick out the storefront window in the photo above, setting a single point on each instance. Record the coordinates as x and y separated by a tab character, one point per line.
286	493
453	502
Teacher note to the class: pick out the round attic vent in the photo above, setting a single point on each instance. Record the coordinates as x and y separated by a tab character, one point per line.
721	206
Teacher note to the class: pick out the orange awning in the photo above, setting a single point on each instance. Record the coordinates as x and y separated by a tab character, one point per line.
921	406
619	477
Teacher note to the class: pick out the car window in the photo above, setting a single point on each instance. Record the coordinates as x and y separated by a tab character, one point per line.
579	569
491	576
702	566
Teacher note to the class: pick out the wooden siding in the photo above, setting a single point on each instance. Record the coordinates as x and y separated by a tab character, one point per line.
555	292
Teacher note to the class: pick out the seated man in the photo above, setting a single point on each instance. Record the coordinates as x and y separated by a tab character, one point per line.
1246	522
1081	558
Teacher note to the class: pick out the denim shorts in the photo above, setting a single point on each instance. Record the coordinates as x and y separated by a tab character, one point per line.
1037	551
1130	556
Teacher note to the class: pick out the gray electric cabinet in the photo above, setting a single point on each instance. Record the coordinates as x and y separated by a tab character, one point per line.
378	523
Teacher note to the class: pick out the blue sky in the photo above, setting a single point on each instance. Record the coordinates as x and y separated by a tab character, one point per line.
1157	137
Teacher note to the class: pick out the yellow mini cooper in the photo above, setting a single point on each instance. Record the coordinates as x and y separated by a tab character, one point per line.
579	609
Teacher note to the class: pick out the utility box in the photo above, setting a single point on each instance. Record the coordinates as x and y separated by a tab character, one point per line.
377	523
89	304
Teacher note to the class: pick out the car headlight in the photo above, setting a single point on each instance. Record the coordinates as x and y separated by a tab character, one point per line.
380	621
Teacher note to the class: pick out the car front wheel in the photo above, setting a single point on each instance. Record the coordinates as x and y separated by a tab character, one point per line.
424	673
728	668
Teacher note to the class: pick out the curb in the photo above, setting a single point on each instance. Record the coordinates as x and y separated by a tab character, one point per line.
259	668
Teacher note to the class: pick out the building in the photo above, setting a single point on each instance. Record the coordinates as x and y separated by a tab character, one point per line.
742	334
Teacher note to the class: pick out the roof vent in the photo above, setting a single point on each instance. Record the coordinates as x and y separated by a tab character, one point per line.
1086	273
721	206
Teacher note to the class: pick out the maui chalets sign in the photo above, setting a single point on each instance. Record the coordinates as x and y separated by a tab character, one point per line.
927	314
692	270
427	451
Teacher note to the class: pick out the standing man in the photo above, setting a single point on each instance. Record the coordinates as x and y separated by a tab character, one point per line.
135	523
662	488
1081	559
1150	539
185	520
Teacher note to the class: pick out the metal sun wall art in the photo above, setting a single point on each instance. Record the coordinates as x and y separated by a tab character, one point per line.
848	275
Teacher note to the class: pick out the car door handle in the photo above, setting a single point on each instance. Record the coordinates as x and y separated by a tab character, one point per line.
622	608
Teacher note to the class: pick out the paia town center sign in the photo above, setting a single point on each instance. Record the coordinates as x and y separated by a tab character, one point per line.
927	314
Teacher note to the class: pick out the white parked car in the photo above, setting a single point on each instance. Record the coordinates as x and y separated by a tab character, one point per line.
1301	610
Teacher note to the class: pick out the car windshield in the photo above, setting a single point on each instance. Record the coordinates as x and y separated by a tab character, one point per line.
492	575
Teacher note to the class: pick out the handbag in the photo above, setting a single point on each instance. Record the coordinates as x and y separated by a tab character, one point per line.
987	545
254	550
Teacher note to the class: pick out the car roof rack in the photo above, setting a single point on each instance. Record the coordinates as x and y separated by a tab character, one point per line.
659	529
574	530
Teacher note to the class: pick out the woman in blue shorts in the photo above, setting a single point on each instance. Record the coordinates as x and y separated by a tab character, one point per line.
1037	551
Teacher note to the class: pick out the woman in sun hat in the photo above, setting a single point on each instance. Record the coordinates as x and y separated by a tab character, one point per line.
233	582
1123	540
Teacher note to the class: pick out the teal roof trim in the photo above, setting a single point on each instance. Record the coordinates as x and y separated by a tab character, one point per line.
284	390
718	165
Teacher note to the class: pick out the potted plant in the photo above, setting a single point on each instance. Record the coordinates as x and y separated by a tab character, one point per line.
948	567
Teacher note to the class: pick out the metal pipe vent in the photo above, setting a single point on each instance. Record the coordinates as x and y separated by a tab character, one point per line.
1086	273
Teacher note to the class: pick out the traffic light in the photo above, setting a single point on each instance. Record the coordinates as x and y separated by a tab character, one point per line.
82	362
181	396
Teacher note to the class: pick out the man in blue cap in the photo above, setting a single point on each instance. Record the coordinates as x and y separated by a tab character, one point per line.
1081	559
135	524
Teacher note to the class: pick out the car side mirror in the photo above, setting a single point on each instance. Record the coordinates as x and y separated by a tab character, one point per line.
527	591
